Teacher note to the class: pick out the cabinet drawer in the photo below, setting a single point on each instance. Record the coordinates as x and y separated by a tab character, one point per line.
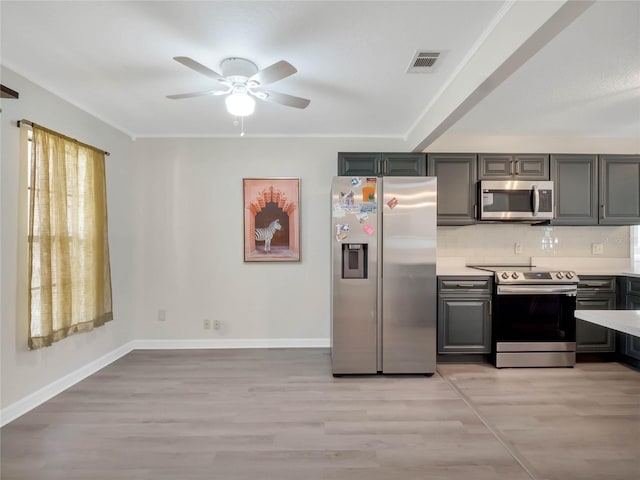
598	284
466	285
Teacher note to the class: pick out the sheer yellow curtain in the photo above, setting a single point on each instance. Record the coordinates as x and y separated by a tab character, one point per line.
69	271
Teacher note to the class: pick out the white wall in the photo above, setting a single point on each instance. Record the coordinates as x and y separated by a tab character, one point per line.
24	371
189	237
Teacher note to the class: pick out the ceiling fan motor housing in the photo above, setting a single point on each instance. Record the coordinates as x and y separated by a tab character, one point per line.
238	69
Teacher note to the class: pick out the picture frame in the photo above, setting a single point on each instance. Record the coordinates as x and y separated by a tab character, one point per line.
271	219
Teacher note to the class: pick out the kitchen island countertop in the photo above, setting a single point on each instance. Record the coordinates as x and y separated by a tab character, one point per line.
625	321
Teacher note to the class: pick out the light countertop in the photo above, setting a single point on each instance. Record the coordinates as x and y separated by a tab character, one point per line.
626	321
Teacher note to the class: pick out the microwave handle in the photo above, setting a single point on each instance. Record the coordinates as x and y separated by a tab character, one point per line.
536	200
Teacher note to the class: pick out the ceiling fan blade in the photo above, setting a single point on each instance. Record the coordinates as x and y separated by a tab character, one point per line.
273	73
197	94
198	67
283	99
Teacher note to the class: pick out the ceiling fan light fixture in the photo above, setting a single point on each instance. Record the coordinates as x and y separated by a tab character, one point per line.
240	104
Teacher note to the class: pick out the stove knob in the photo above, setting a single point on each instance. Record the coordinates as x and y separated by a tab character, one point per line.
569	275
505	275
559	275
514	275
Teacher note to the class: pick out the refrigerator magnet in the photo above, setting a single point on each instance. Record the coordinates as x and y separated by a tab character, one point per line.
338	211
356	182
348	198
368	208
392	203
369	193
362	217
341	231
368	229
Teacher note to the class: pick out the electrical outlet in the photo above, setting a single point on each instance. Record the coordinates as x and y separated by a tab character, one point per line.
597	248
517	248
206	324
217	324
162	315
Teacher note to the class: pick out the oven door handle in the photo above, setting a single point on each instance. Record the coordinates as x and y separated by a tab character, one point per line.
570	290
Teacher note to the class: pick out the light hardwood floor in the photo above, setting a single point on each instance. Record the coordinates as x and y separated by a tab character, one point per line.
279	414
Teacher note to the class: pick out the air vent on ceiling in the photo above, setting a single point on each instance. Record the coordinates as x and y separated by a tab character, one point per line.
423	62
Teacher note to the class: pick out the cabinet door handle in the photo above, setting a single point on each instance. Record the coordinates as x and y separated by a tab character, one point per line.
465	285
602	212
596	284
517	167
511	167
489	307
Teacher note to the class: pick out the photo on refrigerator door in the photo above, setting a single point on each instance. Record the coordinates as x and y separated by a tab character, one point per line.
271	219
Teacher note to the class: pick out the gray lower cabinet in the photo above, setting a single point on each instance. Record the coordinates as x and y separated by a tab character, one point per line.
464	315
629	299
630	344
575	183
457	176
382	164
619	189
595	293
500	166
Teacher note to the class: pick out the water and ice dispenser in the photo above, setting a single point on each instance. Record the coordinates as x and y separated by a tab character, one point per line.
354	260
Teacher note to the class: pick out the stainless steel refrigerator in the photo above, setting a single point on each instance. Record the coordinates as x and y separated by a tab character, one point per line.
383	270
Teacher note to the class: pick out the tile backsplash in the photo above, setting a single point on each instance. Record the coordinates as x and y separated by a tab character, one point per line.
504	240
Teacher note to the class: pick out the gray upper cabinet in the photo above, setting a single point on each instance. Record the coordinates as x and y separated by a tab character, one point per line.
358	163
379	164
457	176
404	164
619	189
494	166
575	185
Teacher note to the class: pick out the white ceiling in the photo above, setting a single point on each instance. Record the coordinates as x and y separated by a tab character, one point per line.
114	60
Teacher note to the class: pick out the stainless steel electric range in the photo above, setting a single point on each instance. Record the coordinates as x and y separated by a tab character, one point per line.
533	322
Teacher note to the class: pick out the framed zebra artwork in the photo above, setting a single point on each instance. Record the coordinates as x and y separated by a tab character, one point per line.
271	219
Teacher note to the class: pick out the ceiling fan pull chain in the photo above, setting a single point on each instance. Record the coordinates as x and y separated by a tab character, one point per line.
242	126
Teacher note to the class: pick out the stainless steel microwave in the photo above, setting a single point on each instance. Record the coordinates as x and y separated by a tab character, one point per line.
508	200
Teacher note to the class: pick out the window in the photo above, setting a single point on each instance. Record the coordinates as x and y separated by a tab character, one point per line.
69	278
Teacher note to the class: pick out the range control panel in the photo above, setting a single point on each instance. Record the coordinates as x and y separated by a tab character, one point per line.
525	278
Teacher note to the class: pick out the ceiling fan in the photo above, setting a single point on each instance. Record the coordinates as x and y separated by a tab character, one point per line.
241	81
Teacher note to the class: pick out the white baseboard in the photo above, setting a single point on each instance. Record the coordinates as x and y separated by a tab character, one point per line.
38	397
174	344
31	401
